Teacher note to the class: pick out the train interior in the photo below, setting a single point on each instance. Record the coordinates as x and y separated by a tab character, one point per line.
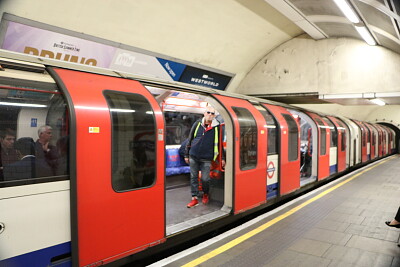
30	101
308	141
25	105
181	110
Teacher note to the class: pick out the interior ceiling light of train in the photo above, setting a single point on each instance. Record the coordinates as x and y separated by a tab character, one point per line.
173	101
374	21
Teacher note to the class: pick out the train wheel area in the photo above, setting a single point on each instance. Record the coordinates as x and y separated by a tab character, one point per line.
340	224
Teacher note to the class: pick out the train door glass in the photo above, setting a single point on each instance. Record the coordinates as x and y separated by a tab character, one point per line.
368	140
181	111
273	156
133	141
248	139
346	138
34	173
293	137
333	146
322	144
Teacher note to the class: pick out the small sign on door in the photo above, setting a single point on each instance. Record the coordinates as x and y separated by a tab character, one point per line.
94	129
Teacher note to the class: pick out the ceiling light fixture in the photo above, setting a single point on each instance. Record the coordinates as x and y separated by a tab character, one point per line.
352	15
23	105
347	10
366	35
377	101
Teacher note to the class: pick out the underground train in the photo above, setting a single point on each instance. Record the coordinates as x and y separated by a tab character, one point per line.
118	187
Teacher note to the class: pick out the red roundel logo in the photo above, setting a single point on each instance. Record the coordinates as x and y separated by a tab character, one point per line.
270	169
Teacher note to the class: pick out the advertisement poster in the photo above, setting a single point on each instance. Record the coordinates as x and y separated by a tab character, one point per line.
29	40
35	41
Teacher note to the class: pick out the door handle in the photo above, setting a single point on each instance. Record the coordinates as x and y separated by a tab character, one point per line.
2	227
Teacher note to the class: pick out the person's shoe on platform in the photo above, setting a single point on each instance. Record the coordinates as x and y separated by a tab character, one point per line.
205	199
193	203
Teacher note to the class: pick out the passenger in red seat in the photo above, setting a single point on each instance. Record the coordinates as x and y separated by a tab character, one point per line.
201	149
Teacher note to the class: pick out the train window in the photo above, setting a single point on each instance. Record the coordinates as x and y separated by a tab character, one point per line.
293	137
33	135
368	138
364	136
322	145
178	126
343	130
334	135
133	141
373	138
272	131
248	138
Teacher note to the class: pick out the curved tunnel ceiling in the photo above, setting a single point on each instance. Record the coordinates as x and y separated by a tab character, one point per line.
380	17
228	35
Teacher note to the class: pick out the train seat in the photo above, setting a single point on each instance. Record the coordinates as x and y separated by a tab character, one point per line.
175	165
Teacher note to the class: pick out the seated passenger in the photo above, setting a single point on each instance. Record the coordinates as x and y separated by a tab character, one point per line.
29	166
45	150
8	154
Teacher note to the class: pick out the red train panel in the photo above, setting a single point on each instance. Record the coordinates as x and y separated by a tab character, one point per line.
289	169
110	224
249	184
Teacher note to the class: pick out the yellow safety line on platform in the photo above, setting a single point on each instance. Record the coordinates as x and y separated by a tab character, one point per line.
261	228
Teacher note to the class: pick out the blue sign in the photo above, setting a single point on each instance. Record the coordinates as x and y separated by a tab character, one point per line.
174	69
33	122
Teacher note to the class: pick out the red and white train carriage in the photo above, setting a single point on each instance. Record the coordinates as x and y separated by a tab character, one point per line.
123	190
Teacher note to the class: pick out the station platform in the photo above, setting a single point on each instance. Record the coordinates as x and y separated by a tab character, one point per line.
339	224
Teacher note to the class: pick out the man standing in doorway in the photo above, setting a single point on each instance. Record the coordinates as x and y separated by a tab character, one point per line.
201	149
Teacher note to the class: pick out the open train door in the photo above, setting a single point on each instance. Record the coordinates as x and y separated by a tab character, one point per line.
250	152
117	193
289	149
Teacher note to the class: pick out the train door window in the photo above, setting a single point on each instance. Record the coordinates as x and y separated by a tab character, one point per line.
272	131
373	138
368	136
364	136
293	137
334	135
343	130
133	141
248	138
322	145
34	133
